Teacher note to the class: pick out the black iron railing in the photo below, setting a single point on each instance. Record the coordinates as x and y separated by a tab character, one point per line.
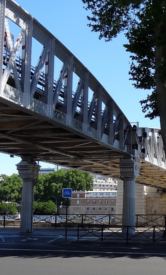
79	227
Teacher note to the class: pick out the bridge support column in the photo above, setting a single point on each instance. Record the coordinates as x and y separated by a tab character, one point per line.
28	170
129	198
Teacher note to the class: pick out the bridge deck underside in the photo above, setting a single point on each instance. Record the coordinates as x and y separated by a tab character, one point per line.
25	133
152	175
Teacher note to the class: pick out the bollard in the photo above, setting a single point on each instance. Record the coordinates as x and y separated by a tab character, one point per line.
154	234
66	231
78	232
127	234
4	220
102	233
164	232
109	221
56	218
137	220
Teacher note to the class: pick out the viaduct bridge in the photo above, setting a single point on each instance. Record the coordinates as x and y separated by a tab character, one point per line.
66	116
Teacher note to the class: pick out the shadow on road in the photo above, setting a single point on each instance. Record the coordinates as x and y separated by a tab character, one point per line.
46	248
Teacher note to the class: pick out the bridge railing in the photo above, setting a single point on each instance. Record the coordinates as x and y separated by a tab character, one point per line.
151	146
72	95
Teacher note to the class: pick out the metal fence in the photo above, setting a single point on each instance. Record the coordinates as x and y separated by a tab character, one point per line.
93	219
149	228
9	221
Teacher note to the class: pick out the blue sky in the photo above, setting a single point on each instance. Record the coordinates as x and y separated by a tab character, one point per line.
108	61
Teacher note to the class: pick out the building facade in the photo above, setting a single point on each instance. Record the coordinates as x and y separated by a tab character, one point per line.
101	200
107	198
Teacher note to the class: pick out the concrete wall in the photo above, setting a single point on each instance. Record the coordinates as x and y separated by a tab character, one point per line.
155	201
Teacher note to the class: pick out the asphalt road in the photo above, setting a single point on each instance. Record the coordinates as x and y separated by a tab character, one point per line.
87	265
33	255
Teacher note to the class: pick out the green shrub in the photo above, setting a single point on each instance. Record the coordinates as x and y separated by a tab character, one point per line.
44	207
8	208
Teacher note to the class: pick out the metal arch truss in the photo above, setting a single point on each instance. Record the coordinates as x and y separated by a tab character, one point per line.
152	158
84	106
55	109
151	146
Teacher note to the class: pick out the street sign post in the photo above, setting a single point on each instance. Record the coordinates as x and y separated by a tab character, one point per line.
66	194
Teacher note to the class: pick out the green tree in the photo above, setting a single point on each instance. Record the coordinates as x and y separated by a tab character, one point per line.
10	188
144	24
50	186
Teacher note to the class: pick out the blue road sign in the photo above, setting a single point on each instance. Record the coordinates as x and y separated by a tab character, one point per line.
67	193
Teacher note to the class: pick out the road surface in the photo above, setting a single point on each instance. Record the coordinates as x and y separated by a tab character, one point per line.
37	255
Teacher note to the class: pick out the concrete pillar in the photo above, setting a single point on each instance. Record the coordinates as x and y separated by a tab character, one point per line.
28	171
129	217
129	198
140	199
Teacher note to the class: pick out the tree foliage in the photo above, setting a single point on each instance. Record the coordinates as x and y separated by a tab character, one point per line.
144	24
49	186
47	190
44	207
8	208
10	188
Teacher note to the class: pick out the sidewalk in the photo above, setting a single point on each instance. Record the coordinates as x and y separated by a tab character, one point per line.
84	235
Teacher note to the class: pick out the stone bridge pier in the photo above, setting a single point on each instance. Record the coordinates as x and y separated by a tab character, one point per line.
28	170
127	170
